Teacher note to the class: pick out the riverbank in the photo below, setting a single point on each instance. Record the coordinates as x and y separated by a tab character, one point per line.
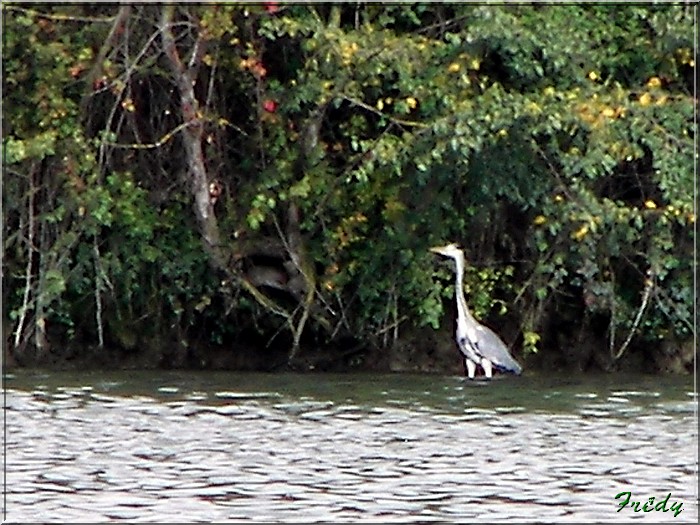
418	351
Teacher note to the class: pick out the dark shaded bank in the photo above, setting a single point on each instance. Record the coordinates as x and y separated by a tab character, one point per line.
416	350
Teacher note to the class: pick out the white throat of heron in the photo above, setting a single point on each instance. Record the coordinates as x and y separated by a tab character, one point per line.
462	309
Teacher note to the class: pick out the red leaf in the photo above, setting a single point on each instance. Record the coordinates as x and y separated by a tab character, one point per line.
269	105
259	70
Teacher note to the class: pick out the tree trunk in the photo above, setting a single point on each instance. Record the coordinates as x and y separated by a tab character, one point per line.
185	78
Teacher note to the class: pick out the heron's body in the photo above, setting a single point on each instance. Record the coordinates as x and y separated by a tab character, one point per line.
479	345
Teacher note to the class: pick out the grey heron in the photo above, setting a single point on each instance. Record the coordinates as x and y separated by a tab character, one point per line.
478	343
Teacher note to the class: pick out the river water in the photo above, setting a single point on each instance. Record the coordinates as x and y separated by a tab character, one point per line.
233	447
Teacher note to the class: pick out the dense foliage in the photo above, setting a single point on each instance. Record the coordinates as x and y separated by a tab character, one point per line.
203	176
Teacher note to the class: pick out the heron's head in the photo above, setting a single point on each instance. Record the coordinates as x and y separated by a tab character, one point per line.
449	250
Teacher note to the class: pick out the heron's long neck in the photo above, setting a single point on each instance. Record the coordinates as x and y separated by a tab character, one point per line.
462	310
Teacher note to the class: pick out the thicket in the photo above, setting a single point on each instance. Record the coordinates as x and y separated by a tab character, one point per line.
204	176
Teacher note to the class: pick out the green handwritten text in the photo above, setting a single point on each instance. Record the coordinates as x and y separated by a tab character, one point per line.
649	505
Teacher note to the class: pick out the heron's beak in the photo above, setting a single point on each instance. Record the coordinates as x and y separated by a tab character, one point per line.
441	250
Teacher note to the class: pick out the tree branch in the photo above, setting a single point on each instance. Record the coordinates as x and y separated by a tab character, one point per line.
192	139
118	25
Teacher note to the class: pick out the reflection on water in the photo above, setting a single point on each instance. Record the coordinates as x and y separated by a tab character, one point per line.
173	447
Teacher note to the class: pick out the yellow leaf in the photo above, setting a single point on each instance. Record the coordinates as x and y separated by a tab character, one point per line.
454	67
411	102
650	204
580	233
203	303
685	56
539	220
593	75
654	82
533	107
645	99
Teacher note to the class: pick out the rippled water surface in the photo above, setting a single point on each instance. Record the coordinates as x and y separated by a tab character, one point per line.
188	447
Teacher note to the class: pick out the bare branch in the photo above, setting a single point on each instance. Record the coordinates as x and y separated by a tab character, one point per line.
153	145
192	139
648	287
118	25
401	122
58	17
30	249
